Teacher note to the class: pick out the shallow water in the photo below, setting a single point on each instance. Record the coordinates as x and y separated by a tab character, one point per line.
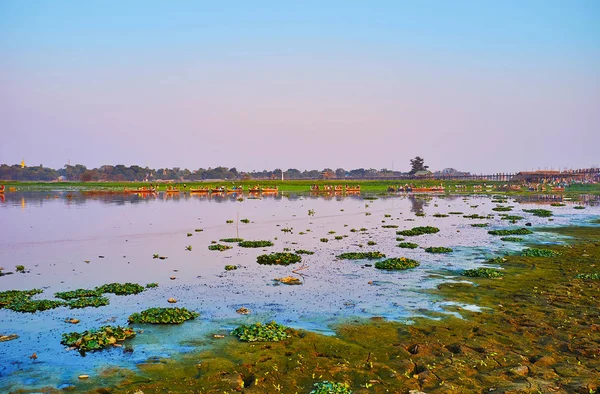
53	234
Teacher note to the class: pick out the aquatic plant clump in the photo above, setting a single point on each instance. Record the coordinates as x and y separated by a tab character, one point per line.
480	224
512	239
231	239
219	247
518	231
542	213
396	264
408	245
440	215
483	273
255	244
389	226
258	332
302	251
326	387
475	216
32	306
278	259
97	339
121	289
79	293
86	302
361	256
579	207
163	316
511	217
231	267
10	296
502	209
532	252
418	231
438	249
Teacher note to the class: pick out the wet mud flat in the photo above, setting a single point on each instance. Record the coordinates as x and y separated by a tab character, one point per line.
538	331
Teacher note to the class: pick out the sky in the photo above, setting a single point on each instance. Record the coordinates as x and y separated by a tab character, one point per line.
481	86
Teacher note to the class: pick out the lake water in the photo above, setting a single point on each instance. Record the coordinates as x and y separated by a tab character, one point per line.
54	234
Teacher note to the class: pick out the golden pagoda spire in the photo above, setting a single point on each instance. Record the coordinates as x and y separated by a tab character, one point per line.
23	163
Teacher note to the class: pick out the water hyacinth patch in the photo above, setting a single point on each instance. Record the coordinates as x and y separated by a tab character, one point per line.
512	239
396	263
438	249
163	316
255	244
324	240
151	285
455	213
483	273
543	213
121	289
32	306
578	207
518	231
97	339
11	296
326	387
231	267
511	217
418	231
219	247
502	209
389	226
339	237
85	302
408	245
558	204
245	221
258	332
371	243
79	293
231	240
479	224
278	259
302	251
440	215
532	252
361	256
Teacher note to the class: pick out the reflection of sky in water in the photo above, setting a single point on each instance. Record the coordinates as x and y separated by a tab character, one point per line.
54	236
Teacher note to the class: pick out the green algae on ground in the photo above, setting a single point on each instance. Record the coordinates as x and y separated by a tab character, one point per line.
121	288
533	252
371	243
255	244
396	264
326	387
418	231
518	231
408	245
259	332
361	256
578	207
324	240
163	316
219	247
97	339
483	273
438	249
278	259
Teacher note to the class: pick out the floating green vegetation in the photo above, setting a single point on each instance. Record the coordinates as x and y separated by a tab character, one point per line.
502	209
361	256
396	263
11	296
389	226
367	213
302	251
455	213
387	215
229	221
499	201
121	289
79	293
512	239
353	230
189	234
399	239
479	224
542	213
578	207
371	198
20	268
231	267
97	339
326	387
255	244
151	285
287	229
258	332
198	230
475	216
32	306
245	221
219	247
483	273
324	240
85	302
371	243
438	249
517	231
311	212
278	259
339	237
418	231
331	232
558	204
231	239
408	245
496	260
593	276
511	217
533	252
440	215
163	316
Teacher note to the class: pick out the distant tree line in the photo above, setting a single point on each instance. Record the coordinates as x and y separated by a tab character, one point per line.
121	172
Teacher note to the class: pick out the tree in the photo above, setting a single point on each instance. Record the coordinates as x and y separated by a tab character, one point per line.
417	164
340	173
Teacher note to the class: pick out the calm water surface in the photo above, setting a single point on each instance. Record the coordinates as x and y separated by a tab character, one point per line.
53	234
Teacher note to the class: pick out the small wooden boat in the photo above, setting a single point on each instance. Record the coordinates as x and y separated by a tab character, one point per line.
338	188
353	189
236	189
219	189
269	189
255	189
2	189
199	190
171	189
325	189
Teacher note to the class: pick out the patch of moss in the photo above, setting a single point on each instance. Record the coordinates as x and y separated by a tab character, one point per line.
440	215
32	306
593	276
302	251
480	225
389	226
231	267
79	293
543	213
326	387
512	239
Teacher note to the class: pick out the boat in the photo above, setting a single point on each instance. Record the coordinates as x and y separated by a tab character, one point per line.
353	189
2	189
219	189
171	189
236	189
199	190
255	189
269	189
325	189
